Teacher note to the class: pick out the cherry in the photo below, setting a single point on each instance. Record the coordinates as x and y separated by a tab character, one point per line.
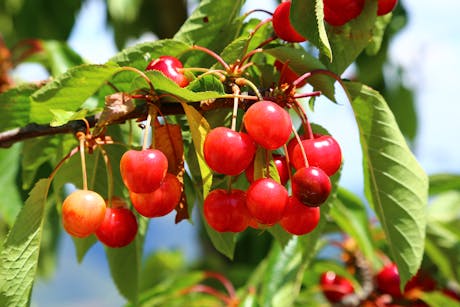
322	151
228	152
335	287
226	211
311	185
281	167
268	124
388	280
283	26
142	171
161	201
170	67
287	74
299	219
339	12
386	6
119	227
82	213
266	200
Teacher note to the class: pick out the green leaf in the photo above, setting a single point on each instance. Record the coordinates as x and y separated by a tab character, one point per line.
19	256
349	40
395	184
62	117
349	212
69	91
440	183
308	18
83	245
445	207
15	106
57	57
438	299
207	83
11	201
378	32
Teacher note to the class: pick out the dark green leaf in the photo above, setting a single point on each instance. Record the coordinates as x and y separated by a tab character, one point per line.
395	184
440	183
11	201
19	256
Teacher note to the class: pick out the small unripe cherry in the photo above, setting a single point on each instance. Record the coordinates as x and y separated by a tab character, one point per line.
82	213
282	24
311	186
226	211
281	166
170	67
228	152
268	124
299	219
143	171
266	200
335	287
161	201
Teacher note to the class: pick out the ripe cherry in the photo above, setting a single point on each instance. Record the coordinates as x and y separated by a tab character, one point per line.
268	124
228	152
311	185
287	74
299	219
266	200
385	6
170	67
322	151
226	211
142	171
282	24
388	280
281	166
339	12
335	287
82	213
161	201
119	227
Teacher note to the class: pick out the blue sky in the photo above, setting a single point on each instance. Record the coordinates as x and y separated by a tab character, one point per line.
428	48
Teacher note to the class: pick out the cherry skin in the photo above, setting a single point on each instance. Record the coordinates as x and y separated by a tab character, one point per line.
311	185
119	227
282	24
170	67
287	74
388	280
322	151
228	152
161	201
339	12
226	211
281	166
335	287
82	213
268	124
266	200
142	171
299	219
385	6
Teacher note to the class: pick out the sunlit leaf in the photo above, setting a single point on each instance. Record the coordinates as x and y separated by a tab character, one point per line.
15	106
11	201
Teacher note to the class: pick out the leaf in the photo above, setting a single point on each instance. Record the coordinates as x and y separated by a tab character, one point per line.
11	201
377	34
15	106
308	19
69	91
58	56
62	117
438	299
444	208
440	183
395	184
19	256
83	245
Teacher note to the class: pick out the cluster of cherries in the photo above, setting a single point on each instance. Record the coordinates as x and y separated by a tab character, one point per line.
387	291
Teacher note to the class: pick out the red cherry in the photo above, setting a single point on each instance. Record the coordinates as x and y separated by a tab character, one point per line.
287	74
386	6
142	171
82	213
420	281
161	201
299	219
170	67
322	151
226	211
228	152
266	200
281	167
388	280
119	227
311	185
451	293
268	124
335	287
339	12
282	24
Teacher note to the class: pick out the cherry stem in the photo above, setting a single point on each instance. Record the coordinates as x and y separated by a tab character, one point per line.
306	123
58	166
245	97
267	163
223	280
244	81
236	91
108	167
253	32
250	54
206	71
213	54
140	73
148	123
209	290
323	72
305	95
257	10
299	141
288	161
81	138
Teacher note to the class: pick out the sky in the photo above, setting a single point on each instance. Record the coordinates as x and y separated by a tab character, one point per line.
428	48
